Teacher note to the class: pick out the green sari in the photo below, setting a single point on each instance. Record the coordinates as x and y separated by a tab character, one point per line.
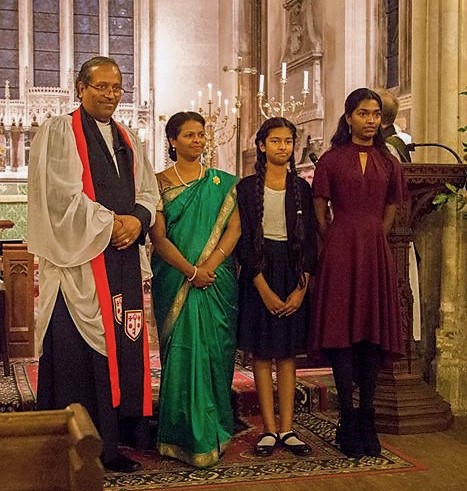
196	327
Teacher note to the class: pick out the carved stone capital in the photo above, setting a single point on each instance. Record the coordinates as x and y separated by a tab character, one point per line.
302	37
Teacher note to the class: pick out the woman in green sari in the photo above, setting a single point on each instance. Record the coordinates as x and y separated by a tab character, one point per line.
195	298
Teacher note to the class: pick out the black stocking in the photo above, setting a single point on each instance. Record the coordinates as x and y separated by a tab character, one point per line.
342	369
367	363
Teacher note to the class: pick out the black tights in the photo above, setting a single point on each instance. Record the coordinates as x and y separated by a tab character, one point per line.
359	363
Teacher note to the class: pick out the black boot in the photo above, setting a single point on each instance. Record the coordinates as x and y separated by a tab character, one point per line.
366	422
348	434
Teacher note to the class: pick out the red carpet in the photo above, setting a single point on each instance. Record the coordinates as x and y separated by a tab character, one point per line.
311	392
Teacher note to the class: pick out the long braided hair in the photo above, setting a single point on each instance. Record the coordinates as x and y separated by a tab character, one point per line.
342	134
298	234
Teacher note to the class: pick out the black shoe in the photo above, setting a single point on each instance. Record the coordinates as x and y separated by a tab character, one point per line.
348	435
122	464
366	422
300	449
265	450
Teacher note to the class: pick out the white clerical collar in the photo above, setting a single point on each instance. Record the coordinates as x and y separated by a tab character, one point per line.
102	123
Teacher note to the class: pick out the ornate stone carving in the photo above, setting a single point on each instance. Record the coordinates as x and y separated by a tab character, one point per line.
303	50
404	402
302	38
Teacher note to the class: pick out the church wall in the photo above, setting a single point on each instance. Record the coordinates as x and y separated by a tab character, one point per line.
186	52
334	63
439	74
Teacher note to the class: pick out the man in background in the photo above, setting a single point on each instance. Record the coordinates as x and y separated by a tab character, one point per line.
392	134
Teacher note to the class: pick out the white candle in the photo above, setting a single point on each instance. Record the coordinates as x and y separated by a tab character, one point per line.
284	70
261	83
305	80
192	104
219	98
209	92
200	93
226	106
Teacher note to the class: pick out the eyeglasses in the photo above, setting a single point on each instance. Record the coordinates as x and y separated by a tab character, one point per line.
106	88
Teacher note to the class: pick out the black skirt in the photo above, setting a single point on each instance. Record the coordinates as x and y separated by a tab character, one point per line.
260	333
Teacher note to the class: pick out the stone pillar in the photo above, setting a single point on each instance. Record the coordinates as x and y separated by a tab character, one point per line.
439	74
451	360
17	147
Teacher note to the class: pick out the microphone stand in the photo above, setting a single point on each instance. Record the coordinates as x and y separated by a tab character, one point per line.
411	148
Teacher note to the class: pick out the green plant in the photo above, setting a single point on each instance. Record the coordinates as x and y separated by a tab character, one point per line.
458	196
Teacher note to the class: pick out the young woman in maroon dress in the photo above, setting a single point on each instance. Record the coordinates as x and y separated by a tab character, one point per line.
356	317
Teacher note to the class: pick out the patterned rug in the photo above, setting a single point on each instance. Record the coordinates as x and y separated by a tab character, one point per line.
18	392
240	466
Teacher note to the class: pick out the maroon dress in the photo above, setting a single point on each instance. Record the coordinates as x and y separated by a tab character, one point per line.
355	296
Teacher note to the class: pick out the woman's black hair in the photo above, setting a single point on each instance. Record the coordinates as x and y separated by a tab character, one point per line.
343	134
174	126
298	234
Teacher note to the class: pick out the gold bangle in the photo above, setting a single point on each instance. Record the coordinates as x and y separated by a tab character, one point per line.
222	251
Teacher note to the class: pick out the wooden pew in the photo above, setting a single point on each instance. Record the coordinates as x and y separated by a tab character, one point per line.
50	450
4	224
3	336
18	275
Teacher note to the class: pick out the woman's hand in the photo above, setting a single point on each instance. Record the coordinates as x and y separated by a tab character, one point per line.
204	277
293	302
272	301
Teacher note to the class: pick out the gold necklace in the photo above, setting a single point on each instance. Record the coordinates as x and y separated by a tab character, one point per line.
182	181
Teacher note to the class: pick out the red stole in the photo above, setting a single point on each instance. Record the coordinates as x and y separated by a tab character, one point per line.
102	283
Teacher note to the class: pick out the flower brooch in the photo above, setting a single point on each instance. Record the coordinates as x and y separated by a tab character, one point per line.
216	180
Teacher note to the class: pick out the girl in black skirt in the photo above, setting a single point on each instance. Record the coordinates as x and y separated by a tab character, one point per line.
277	254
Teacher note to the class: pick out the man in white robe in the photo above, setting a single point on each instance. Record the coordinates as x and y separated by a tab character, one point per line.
92	196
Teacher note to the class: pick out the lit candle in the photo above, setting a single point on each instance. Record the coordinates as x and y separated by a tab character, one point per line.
226	106
284	70
192	104
305	80
200	93
209	92
261	83
219	98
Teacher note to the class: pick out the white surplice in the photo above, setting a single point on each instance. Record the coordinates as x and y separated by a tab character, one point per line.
66	229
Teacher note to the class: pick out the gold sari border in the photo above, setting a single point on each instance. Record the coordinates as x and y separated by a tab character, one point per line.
227	208
200	460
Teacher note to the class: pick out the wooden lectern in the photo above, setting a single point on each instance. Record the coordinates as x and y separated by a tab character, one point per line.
404	402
